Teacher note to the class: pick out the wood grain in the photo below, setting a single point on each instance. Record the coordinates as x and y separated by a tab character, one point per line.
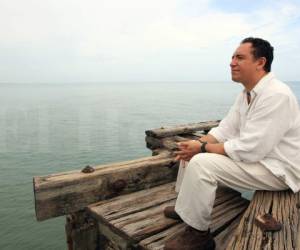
138	217
283	206
64	193
181	129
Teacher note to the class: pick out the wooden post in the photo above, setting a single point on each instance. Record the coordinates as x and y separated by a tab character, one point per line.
81	232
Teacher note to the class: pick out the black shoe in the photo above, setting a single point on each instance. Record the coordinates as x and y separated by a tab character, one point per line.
170	212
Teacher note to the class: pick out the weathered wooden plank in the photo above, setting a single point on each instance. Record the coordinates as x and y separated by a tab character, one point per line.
139	216
68	192
247	230
113	240
127	204
182	129
158	240
153	143
123	205
283	206
145	223
228	210
242	230
185	137
230	216
169	143
223	238
81	231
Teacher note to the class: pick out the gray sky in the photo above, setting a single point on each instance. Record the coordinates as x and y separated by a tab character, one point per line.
140	40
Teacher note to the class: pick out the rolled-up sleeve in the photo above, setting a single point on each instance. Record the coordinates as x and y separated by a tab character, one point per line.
263	130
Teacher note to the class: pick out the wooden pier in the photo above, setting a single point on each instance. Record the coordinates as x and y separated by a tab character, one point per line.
120	205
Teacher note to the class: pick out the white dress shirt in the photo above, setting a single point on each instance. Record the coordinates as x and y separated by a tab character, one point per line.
267	130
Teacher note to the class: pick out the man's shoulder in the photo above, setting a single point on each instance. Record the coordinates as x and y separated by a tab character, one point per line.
276	92
279	88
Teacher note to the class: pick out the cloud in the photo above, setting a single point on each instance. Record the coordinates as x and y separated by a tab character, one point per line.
135	40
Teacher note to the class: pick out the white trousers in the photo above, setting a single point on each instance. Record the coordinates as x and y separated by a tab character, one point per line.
198	181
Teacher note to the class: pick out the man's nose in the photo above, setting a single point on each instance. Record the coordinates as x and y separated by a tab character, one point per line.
232	63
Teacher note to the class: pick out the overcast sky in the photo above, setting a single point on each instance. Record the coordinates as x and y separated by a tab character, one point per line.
140	40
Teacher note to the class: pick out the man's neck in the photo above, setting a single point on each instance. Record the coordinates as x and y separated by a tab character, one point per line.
252	83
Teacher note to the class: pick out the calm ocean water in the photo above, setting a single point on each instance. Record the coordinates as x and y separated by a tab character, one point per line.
48	128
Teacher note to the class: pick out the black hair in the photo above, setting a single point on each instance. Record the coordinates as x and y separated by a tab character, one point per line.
261	48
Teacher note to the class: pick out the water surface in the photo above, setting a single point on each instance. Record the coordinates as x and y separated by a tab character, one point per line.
49	128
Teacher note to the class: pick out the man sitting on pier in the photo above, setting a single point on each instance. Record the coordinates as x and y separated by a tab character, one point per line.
255	147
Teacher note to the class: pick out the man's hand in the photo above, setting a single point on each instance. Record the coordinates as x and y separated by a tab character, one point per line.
187	150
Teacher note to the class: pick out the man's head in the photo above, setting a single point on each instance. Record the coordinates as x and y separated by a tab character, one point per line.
251	60
261	48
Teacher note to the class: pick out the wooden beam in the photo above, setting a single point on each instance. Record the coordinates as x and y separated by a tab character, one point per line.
168	143
181	129
65	193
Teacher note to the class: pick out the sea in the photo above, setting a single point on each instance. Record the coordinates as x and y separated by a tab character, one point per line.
54	127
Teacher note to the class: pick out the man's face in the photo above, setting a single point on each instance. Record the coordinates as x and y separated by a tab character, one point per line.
243	64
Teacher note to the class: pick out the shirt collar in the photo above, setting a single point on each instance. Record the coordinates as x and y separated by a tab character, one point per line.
261	84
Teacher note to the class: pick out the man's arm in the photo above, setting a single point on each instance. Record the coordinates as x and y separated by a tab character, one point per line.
267	125
209	138
213	145
227	129
190	148
217	148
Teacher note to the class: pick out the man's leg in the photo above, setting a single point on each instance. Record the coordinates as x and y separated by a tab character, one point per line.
202	176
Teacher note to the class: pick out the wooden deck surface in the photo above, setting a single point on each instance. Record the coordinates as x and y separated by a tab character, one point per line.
136	220
284	207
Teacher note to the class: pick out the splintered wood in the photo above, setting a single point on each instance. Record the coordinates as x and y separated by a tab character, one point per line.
138	218
283	207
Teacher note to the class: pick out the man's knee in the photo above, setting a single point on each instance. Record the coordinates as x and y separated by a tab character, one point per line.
200	167
199	159
208	158
208	162
199	162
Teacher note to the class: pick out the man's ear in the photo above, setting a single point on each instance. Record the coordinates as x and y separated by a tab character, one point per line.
261	63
